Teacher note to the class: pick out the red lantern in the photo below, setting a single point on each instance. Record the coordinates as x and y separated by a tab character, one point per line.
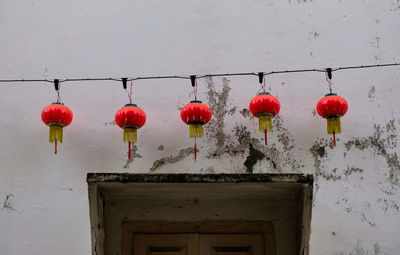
264	107
196	115
332	107
56	116
130	118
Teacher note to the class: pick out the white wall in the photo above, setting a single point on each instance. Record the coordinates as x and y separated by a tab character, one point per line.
44	197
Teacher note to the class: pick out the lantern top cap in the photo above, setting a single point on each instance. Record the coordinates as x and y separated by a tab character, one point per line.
196	101
264	93
330	94
135	105
57	103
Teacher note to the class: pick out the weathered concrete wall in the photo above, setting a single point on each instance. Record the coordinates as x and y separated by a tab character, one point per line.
44	197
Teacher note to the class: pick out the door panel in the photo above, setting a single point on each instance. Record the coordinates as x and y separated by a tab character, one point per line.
232	244
165	244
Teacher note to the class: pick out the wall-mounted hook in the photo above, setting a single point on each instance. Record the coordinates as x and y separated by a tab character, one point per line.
124	82
56	84
260	77
329	72
193	80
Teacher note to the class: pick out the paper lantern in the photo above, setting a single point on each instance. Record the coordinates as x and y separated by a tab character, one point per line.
332	107
130	118
196	114
264	106
56	116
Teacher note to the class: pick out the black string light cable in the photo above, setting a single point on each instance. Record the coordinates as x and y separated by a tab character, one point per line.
198	77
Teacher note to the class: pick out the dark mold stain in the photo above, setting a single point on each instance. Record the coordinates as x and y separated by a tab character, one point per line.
314	112
134	155
239	140
379	144
252	158
245	113
376	42
283	134
371	93
351	170
321	151
218	103
160	148
171	159
7	203
318	151
209	170
395	5
364	218
359	250
110	123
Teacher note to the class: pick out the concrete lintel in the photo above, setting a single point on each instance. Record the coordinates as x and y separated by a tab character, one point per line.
197	178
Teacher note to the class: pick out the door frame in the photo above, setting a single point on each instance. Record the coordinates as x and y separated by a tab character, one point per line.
108	192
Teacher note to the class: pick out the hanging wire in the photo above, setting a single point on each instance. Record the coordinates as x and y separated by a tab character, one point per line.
130	93
58	92
195	90
201	76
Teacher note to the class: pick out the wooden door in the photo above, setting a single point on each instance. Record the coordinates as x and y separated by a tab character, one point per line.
198	244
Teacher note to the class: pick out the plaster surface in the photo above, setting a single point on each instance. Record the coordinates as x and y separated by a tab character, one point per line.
356	190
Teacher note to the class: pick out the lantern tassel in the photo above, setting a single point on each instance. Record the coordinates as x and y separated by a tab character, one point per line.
265	123
195	130
195	150
129	150
130	135
334	139
333	125
265	134
55	134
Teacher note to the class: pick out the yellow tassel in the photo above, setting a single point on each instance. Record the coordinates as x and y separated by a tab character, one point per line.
56	133
265	122
195	130
333	125
130	135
